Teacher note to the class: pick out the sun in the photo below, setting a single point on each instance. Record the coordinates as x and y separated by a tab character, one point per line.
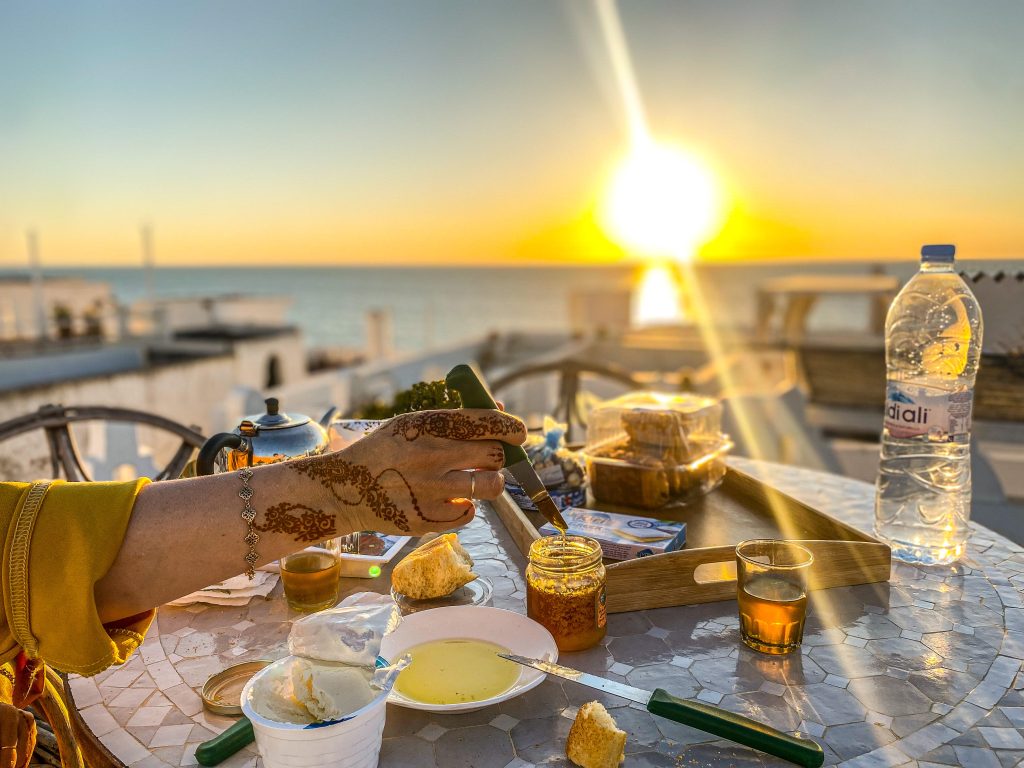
661	201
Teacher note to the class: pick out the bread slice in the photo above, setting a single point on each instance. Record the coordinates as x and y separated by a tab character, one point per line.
434	569
594	740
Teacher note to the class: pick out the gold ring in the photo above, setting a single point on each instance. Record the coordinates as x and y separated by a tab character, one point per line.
472	483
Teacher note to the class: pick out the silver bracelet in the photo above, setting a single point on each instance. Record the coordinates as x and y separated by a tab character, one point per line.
249	516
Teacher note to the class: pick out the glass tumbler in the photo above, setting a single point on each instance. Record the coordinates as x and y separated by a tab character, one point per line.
311	579
771	589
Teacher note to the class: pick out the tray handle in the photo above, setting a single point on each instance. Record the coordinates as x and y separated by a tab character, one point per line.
713	566
674	578
688	576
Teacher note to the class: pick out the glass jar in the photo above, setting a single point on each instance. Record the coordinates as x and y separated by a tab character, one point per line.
565	590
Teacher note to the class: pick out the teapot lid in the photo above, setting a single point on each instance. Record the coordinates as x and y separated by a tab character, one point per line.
275	418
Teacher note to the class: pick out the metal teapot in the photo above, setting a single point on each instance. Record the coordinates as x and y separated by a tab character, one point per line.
265	439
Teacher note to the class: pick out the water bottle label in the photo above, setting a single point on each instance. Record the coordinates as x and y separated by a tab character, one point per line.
912	410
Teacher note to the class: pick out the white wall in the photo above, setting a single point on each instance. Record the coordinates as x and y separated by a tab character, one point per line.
18	312
192	393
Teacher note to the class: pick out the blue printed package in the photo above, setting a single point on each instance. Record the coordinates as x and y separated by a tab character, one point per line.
623	537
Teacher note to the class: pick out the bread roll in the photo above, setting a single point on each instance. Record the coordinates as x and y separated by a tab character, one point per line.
594	740
434	569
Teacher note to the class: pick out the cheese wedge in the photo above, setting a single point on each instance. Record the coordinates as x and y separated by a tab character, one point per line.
594	739
434	569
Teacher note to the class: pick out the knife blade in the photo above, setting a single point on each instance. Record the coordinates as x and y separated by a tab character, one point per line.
695	714
464	380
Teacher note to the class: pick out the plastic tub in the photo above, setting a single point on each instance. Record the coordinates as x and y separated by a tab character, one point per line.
353	742
647	449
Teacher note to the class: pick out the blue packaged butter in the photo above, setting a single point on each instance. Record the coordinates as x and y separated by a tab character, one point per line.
622	537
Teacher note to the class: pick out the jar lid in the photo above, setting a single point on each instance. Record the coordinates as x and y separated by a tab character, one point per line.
222	693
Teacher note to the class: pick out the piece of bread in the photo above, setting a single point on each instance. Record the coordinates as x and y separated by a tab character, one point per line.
594	740
434	569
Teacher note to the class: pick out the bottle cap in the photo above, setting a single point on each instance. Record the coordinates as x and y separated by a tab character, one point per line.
939	253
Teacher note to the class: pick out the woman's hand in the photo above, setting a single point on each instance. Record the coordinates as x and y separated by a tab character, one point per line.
410	475
17	737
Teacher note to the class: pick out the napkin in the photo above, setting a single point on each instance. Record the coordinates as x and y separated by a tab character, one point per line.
238	590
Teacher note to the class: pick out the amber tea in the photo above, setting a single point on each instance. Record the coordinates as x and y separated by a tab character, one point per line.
311	580
772	594
772	613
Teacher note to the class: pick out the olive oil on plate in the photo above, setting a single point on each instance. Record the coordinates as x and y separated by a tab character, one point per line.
456	672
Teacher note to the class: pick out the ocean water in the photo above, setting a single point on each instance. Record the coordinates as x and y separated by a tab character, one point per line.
436	305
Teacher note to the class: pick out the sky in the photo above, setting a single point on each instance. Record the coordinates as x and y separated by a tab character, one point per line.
480	132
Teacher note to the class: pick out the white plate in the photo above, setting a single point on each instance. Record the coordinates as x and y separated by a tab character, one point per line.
514	631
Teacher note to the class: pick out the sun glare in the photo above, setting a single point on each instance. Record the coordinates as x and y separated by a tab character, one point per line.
662	201
658	297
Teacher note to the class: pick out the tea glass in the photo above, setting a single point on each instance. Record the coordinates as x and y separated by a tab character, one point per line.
771	589
311	579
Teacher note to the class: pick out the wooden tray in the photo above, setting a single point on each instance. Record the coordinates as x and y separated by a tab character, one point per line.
742	508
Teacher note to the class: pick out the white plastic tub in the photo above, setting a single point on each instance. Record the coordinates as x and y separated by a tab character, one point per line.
350	743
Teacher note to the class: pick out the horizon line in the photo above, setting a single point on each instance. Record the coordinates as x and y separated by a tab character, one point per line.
525	264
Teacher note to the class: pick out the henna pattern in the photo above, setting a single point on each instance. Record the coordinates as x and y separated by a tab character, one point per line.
453	425
497	455
334	474
309	525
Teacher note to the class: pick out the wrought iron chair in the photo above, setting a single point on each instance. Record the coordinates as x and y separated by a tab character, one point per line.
56	420
569	371
78	745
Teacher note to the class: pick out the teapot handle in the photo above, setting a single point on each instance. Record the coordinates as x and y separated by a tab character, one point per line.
208	453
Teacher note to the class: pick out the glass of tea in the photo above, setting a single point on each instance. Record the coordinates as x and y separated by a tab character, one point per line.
311	579
771	588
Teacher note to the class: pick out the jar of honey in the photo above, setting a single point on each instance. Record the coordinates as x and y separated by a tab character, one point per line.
565	593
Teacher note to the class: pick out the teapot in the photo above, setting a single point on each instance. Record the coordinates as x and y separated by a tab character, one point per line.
265	439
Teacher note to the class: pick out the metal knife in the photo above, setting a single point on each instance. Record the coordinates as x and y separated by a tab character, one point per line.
464	380
695	714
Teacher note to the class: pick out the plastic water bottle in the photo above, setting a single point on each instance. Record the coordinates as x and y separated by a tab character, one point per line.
932	351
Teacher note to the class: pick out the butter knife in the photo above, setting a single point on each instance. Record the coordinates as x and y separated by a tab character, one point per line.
695	714
474	394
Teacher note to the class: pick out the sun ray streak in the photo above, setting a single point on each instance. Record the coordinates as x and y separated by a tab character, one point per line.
622	66
715	341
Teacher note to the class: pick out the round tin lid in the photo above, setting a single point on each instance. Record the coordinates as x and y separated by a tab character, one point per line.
222	693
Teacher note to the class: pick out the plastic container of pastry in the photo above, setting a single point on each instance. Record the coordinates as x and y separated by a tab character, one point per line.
646	450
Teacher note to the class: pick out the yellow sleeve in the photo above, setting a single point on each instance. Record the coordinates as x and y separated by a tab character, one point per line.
61	539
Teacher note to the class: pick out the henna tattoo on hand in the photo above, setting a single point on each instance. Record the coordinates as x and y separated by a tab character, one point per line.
309	525
453	425
497	455
335	474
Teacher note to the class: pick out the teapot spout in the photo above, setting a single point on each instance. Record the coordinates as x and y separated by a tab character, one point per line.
327	418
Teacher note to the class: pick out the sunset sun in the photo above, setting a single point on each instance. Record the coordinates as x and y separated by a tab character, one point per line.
661	201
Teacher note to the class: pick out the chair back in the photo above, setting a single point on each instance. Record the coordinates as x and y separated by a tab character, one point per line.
65	459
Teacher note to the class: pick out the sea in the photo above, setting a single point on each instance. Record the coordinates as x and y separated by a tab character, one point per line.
434	306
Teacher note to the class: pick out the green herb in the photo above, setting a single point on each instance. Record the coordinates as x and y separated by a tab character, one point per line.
424	396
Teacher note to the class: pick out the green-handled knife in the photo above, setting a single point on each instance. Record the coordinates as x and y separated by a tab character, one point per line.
695	714
474	394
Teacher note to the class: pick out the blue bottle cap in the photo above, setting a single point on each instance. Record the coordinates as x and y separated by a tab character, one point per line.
940	253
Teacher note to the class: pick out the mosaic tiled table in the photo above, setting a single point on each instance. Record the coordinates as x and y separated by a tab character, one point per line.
922	671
